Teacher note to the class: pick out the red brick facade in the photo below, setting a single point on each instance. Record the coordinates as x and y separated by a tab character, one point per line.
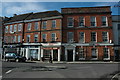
56	43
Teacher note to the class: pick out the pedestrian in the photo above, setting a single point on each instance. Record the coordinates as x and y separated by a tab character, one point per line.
50	60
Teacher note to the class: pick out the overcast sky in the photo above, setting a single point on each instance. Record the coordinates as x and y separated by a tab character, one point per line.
9	7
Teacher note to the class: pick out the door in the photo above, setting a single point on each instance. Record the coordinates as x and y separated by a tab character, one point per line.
70	55
55	55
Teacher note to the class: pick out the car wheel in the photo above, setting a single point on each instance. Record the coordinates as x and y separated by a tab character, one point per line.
17	60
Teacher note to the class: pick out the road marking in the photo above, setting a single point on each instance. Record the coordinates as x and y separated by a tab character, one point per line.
8	71
115	76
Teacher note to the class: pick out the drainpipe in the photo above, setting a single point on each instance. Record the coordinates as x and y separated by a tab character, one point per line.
40	38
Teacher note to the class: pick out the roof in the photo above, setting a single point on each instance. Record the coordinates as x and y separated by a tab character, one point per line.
43	14
19	17
98	9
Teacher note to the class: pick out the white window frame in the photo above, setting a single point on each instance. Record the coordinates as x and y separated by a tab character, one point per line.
106	21
107	36
83	54
36	27
19	27
91	21
6	29
96	54
68	22
54	24
72	40
44	27
27	39
83	21
35	36
14	39
11	28
79	38
54	37
45	37
96	37
29	26
19	38
15	27
108	54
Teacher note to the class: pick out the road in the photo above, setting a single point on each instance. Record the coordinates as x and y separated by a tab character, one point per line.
48	70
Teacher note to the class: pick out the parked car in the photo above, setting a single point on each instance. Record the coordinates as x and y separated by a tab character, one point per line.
14	57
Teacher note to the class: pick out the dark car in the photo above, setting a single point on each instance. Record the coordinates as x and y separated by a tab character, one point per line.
14	57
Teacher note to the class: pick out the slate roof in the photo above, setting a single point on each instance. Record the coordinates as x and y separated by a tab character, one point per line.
98	9
43	15
20	17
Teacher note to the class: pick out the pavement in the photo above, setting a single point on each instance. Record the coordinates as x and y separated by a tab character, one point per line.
76	62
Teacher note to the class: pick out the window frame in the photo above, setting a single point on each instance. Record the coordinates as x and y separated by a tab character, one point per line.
44	38
36	26
53	23
19	38
29	26
19	27
71	21
71	39
6	29
83	41
83	21
104	21
91	22
53	37
105	36
44	24
96	50
95	37
28	37
108	54
35	38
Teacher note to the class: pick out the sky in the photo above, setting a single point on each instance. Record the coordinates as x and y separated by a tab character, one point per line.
8	8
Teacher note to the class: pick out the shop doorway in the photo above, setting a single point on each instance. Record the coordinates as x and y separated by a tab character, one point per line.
55	55
70	55
33	54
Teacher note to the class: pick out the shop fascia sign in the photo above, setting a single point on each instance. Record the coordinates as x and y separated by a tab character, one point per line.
51	44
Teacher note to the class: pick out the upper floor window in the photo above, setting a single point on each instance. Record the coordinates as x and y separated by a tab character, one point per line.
118	26
15	28
93	36
53	37
35	38
105	36
11	28
29	26
19	27
81	21
14	40
104	21
36	25
53	23
44	24
93	21
44	37
6	29
28	38
19	38
70	22
70	36
81	36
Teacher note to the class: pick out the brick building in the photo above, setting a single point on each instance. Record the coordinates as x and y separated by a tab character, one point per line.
74	34
87	33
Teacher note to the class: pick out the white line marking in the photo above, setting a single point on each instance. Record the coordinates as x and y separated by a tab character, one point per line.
115	76
8	71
